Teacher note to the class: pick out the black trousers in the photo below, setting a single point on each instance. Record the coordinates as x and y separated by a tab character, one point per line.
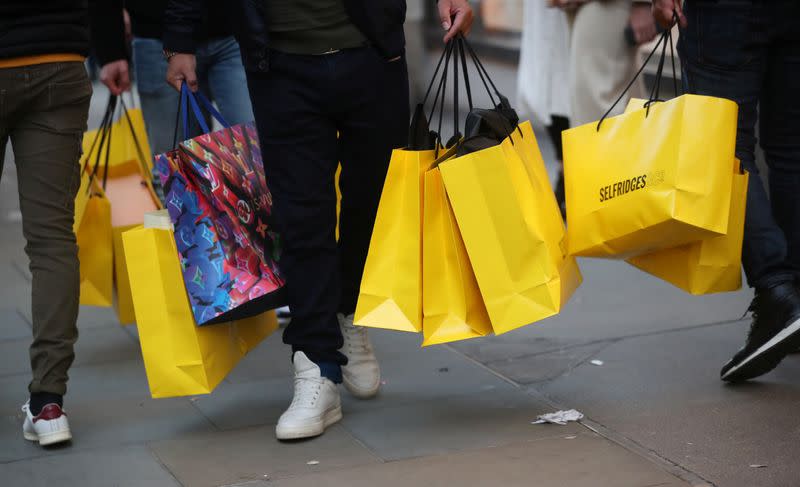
313	113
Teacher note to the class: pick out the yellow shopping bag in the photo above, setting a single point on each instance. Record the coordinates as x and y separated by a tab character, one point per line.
641	182
713	265
452	306
508	217
181	358
95	252
709	266
391	286
128	144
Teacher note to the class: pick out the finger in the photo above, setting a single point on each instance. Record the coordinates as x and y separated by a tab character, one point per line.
175	82
444	14
681	18
191	80
458	25
125	81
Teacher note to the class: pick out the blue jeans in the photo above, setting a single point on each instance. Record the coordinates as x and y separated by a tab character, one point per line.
749	52
220	75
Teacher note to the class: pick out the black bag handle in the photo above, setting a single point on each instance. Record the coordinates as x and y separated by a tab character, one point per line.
666	37
104	132
139	150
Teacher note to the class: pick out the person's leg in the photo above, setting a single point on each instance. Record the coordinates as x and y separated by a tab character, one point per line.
299	146
559	124
729	61
227	81
601	62
724	53
372	122
780	126
49	106
159	100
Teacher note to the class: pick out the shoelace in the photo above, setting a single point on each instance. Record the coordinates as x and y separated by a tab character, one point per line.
356	339
306	392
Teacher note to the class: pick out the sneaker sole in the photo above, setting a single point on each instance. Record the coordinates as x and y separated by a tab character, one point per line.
50	439
762	356
309	431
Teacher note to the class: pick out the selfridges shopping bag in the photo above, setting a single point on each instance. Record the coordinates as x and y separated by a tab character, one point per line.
652	178
512	230
391	286
452	305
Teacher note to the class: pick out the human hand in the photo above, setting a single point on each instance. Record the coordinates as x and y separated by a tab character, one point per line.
182	68
116	77
664	12
456	17
642	23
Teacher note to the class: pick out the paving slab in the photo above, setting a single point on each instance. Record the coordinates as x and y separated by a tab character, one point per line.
250	454
451	423
13	326
94	346
128	466
436	373
581	460
617	300
109	424
546	366
664	393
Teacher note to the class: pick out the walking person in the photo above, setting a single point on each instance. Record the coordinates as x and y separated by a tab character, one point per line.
220	72
749	52
601	60
329	85
542	80
44	104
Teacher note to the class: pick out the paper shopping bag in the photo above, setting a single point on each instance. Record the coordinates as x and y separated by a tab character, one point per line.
219	202
508	218
95	251
129	145
713	265
391	286
452	306
650	179
181	358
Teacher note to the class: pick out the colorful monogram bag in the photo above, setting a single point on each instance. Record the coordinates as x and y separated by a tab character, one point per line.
217	197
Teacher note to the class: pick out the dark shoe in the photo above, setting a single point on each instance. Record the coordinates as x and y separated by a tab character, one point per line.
775	331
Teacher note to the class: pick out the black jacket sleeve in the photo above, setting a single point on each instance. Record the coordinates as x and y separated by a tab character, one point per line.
182	22
108	30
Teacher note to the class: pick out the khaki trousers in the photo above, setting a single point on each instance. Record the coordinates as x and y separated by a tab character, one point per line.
43	111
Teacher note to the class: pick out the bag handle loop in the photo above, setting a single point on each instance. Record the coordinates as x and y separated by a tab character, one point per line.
666	37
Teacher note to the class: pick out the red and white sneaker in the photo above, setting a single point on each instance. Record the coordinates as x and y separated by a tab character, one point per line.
48	427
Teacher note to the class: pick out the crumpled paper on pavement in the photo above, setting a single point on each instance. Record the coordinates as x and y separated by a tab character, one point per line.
559	417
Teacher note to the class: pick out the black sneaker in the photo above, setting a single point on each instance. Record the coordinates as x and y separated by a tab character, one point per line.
774	333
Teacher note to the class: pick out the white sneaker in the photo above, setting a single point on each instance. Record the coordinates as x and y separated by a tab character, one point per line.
315	406
48	427
362	374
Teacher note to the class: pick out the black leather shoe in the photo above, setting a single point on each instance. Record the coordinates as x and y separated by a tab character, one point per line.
774	333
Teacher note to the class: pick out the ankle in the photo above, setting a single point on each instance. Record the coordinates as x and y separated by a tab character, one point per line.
331	371
41	399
